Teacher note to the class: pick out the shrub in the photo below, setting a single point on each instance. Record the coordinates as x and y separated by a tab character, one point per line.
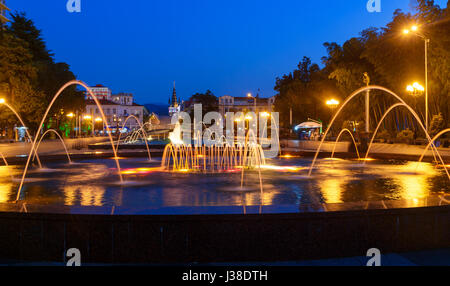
384	135
405	136
437	124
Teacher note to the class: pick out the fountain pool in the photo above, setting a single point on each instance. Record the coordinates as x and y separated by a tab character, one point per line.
95	183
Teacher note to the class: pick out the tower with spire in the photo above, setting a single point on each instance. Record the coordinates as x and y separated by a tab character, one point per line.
174	104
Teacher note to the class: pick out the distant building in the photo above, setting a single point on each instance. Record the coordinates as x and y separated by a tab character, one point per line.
245	104
100	91
175	105
3	10
115	107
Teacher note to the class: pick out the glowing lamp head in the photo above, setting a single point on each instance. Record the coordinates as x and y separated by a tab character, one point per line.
70	115
406	31
249	95
2	100
418	87
410	88
332	102
248	117
265	114
414	28
87	117
98	119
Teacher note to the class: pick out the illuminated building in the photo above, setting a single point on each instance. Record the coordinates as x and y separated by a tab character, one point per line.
3	9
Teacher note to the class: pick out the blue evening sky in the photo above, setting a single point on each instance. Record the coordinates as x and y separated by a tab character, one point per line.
231	47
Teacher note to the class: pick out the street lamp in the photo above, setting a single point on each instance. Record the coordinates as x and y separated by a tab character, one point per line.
70	116
415	30
88	117
254	99
415	89
333	103
2	100
265	114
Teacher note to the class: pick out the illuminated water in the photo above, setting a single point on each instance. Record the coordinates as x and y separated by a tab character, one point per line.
95	183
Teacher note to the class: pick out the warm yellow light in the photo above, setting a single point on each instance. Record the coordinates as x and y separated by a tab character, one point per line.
332	102
366	159
248	117
414	28
87	117
2	100
98	119
265	114
70	115
418	87
286	156
237	120
410	88
281	168
249	95
406	31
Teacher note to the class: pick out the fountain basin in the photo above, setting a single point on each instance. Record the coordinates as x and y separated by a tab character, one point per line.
185	217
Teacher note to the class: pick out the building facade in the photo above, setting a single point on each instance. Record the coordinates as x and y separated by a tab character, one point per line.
100	91
117	108
174	104
245	104
3	10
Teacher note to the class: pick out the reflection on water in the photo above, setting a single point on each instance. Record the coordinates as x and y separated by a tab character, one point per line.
5	192
84	195
94	183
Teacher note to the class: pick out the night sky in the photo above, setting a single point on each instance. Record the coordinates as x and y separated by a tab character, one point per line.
231	47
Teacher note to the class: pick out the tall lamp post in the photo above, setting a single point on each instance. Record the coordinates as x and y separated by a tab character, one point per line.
332	104
415	31
367	82
89	118
71	116
254	99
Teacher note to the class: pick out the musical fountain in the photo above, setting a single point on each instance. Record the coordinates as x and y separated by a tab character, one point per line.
222	178
225	164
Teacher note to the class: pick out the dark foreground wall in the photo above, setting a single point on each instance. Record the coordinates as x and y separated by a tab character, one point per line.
221	238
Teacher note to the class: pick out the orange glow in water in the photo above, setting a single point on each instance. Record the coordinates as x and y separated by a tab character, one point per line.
366	159
233	171
281	168
286	156
140	171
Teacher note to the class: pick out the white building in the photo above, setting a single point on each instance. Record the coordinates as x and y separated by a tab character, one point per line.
116	108
245	104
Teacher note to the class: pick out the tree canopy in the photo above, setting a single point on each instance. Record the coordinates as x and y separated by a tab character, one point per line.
29	75
390	58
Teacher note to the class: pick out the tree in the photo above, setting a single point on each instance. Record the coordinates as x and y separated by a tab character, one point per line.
208	100
50	76
17	74
391	59
305	91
